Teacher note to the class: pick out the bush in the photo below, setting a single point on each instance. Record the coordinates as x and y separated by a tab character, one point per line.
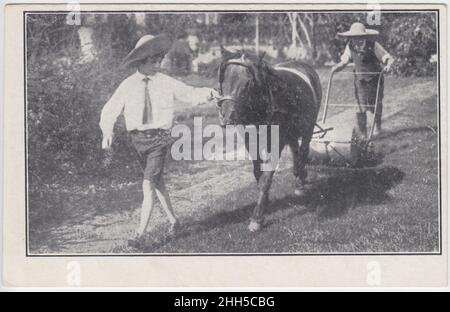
64	104
179	58
412	41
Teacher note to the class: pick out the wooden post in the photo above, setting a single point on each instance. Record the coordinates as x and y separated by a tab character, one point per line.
294	29
257	34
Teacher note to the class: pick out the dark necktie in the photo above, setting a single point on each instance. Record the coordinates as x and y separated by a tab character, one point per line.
148	115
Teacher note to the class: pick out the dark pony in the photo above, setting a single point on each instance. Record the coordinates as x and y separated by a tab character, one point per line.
253	92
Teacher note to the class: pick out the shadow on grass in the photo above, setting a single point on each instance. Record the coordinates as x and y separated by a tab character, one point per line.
406	130
339	190
347	188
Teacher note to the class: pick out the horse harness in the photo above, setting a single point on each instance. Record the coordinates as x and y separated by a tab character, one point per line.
222	98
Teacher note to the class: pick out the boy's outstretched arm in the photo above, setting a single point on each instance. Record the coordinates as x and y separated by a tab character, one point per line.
384	57
189	94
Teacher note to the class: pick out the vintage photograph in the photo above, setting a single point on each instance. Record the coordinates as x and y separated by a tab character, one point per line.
295	132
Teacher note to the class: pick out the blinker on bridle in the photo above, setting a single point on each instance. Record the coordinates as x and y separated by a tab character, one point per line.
222	69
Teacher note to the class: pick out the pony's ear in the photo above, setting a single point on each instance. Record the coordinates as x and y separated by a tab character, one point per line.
226	54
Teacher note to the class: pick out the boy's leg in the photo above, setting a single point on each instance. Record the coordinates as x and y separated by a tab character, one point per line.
148	189
164	198
160	187
374	109
380	107
152	173
361	99
361	120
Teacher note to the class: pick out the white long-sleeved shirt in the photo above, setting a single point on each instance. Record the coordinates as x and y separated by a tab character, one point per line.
129	97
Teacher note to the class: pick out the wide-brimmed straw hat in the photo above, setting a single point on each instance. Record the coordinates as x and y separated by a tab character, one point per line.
148	46
359	30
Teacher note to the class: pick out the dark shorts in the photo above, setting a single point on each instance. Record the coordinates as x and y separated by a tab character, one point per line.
366	93
151	147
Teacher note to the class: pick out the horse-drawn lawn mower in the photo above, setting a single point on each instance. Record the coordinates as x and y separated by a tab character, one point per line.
337	141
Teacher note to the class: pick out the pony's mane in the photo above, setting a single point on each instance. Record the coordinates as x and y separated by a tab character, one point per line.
248	55
250	59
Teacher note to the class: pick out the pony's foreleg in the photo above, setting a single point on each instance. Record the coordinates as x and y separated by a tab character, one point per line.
264	183
257	169
256	162
264	179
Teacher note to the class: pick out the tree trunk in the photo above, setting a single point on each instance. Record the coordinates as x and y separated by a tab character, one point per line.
294	34
257	33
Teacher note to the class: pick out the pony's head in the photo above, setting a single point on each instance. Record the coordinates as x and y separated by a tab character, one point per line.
241	79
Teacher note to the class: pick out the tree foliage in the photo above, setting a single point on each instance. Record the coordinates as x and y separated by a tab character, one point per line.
411	38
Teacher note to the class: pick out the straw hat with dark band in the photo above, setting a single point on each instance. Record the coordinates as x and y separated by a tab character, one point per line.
360	31
148	46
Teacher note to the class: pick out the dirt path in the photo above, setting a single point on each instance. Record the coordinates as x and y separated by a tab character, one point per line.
193	195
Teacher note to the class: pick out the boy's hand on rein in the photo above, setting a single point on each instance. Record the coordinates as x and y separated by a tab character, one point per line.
213	95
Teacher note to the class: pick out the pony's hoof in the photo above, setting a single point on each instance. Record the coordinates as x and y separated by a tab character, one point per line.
254	226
